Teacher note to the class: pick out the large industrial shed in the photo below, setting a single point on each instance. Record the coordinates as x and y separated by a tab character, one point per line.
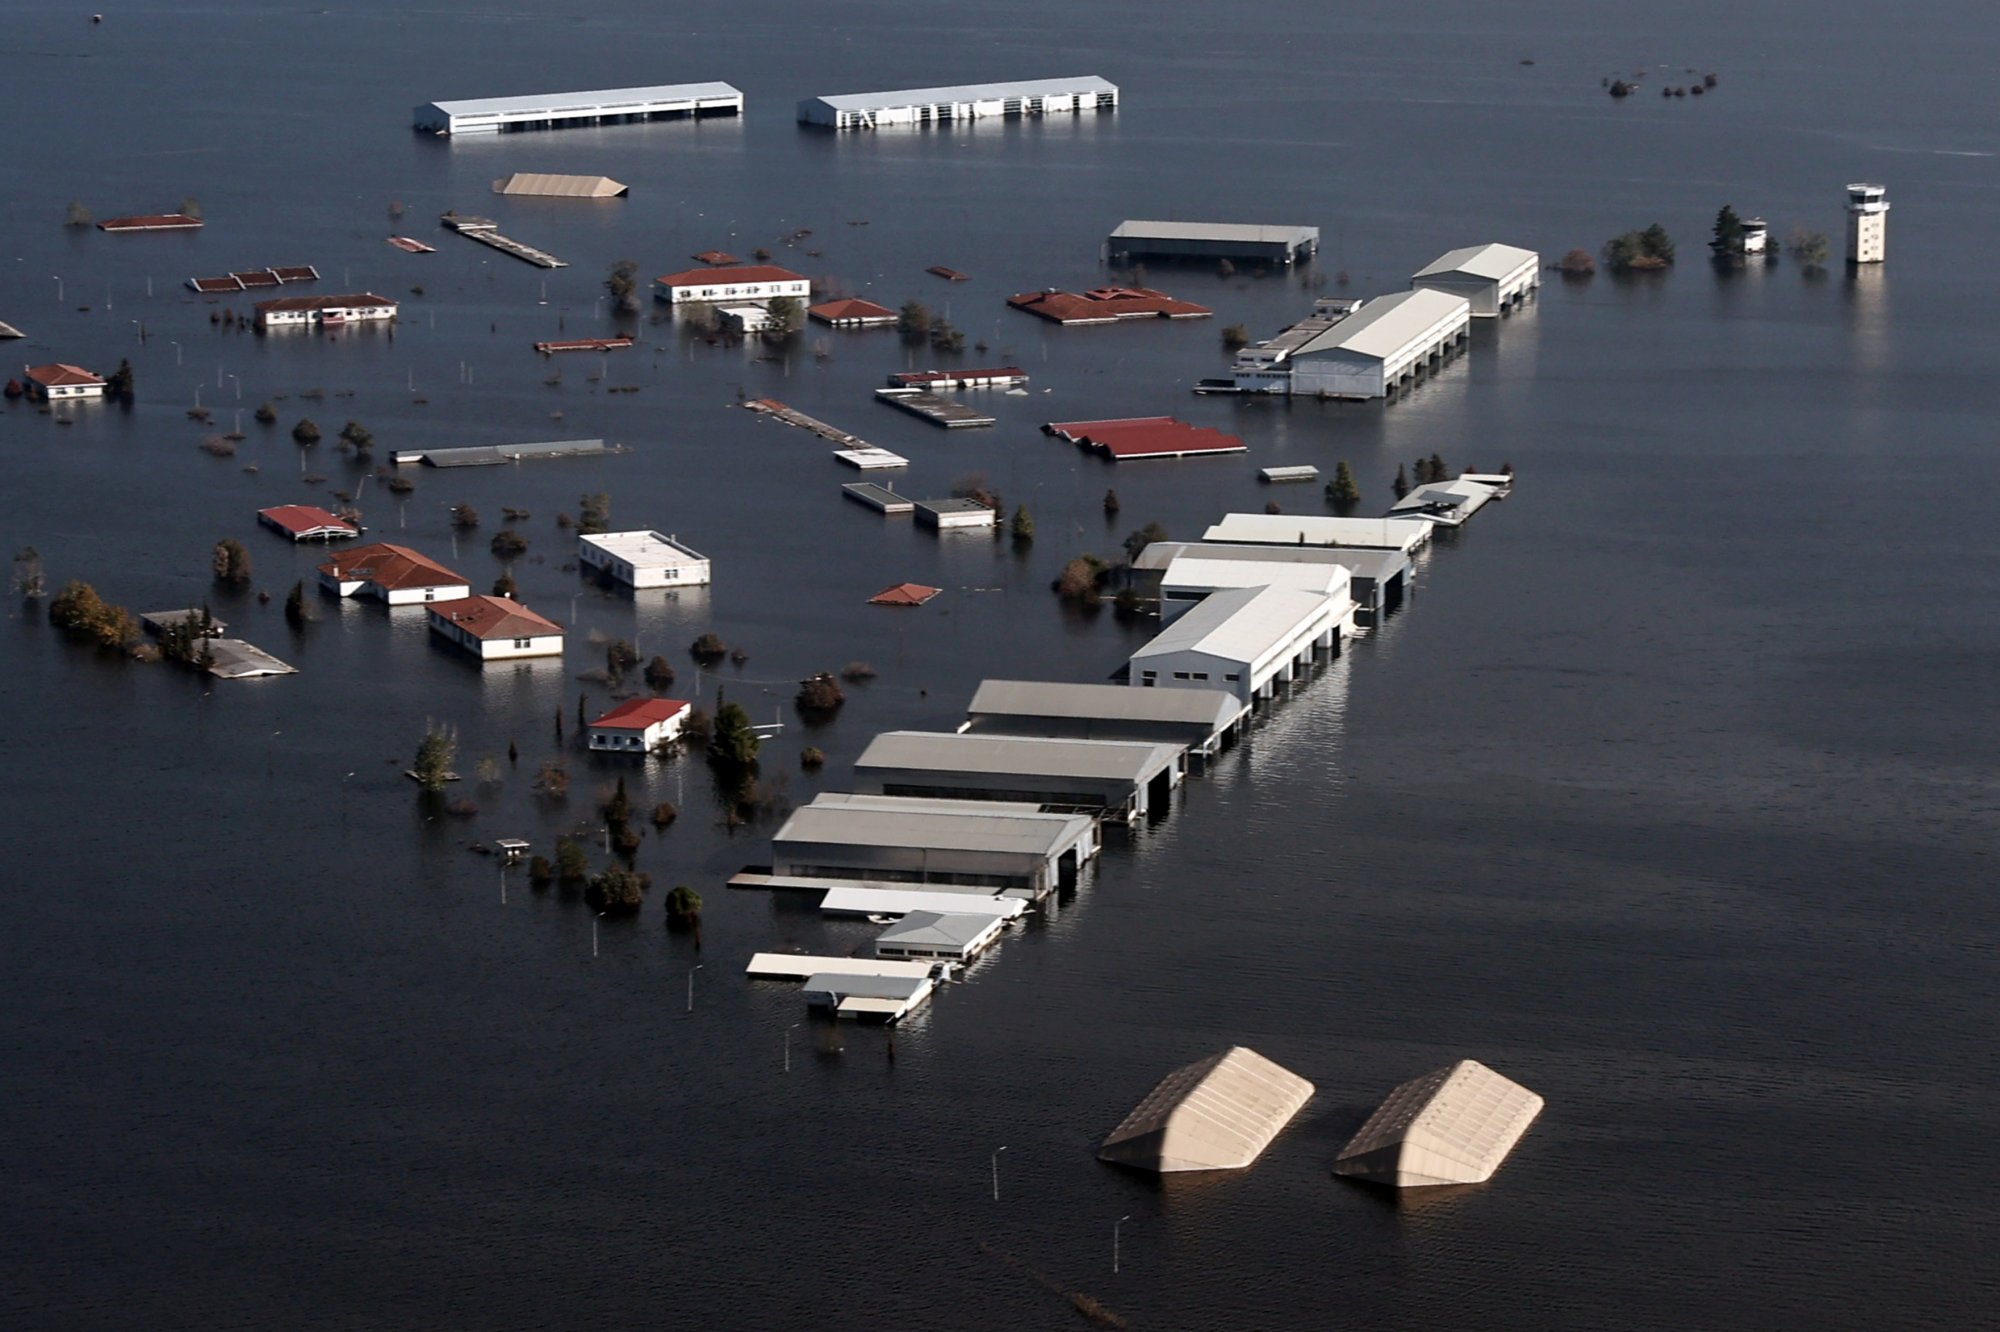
603	106
952	844
1386	341
1218	1114
1110	778
1285	529
1193	576
971	101
1376	579
1211	241
1451	1126
1493	278
1197	720
1243	640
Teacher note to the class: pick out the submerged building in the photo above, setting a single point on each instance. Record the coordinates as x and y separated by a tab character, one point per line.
1211	241
1354	349
971	101
1244	640
1867	223
1492	278
1218	1114
967	846
1113	779
1452	1126
603	106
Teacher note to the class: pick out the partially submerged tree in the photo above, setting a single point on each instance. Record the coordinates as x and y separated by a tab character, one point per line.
305	432
1234	336
507	543
621	284
1341	492
783	316
1808	247
1640	251
618	891
819	695
1079	579
1023	526
1136	542
295	605
29	579
1727	238
230	562
732	744
119	384
265	413
594	514
78	609
432	767
464	517
76	215
683	907
572	864
913	322
708	649
659	673
357	437
1577	264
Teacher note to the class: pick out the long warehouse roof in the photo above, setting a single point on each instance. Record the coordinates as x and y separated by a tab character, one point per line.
1240	624
976	829
1388	324
598	99
1493	261
1252	233
1361	563
1213	708
993	755
1313	529
966	92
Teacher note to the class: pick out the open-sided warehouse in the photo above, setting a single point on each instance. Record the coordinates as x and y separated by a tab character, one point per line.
1112	778
1492	278
1376	579
601	106
1211	240
966	844
1386	341
1244	640
971	101
1194	719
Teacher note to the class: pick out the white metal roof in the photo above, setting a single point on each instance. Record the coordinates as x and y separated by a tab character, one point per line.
950	929
644	550
1195	570
1284	529
798	966
1460	498
611	101
966	92
1211	708
1452	1126
1241	624
1218	1114
848	984
902	901
1360	563
996	755
1496	262
1244	233
976	827
1388	324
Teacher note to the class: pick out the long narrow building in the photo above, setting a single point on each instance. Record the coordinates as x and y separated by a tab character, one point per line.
971	101
602	106
1110	778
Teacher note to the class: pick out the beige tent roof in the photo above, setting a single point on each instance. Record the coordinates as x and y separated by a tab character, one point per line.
1453	1126
562	187
1218	1114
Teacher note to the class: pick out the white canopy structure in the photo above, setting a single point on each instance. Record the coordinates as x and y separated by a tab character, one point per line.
1219	1114
1453	1126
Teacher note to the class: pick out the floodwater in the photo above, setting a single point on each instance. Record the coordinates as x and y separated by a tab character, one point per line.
1670	794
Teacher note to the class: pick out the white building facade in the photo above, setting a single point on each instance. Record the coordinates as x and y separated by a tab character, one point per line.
973	101
1244	640
1867	223
643	559
1493	278
731	286
1389	340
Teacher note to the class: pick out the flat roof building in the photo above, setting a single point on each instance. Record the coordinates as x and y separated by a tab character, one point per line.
950	844
1285	529
1194	719
1218	1114
1492	278
1451	1126
548	185
643	559
970	101
864	900
1210	241
953	512
851	995
1109	778
1129	439
938	936
605	106
1245	640
1445	503
1387	342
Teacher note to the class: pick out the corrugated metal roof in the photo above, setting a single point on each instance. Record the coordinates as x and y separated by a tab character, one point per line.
1388	324
1375	564
1218	1114
966	92
1244	233
1493	261
977	828
955	929
1451	1126
1196	571
558	186
1240	624
1211	708
998	755
1281	529
613	101
885	901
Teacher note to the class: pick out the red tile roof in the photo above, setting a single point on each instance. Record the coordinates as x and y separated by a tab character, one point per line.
834	311
390	567
904	594
639	713
304	520
150	222
60	374
735	277
494	617
1101	305
1145	437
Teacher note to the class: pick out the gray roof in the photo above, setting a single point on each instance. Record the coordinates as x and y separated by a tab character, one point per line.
1212	708
975	827
848	984
992	755
1494	261
612	101
956	930
1387	324
966	92
1249	233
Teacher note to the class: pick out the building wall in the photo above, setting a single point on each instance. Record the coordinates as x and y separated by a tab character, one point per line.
1867	237
1339	374
816	111
416	596
740	291
65	392
695	573
625	740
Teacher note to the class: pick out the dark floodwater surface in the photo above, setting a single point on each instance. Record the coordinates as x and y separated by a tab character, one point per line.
1670	794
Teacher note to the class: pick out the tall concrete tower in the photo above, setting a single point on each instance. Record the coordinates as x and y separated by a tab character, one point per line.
1867	223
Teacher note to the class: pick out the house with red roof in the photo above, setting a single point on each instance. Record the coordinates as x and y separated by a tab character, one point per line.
59	382
306	522
749	283
639	725
390	573
904	594
852	313
495	628
1105	305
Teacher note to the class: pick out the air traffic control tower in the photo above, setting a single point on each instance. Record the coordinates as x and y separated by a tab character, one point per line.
1867	223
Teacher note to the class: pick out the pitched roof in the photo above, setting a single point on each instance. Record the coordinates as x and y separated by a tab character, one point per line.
60	374
1103	304
851	308
952	929
1493	261
1146	437
1218	1114
904	594
1210	708
559	186
1238	624
494	617
716	258
149	222
350	301
709	277
1454	1125
636	714
304	520
390	567
1388	324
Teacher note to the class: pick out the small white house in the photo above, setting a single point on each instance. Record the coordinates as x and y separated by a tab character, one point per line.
932	936
60	382
731	286
496	628
643	559
639	725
